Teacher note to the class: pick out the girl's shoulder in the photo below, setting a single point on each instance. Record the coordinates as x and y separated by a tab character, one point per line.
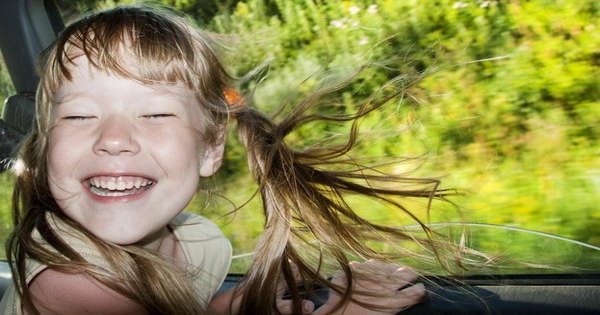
206	250
202	241
191	222
57	292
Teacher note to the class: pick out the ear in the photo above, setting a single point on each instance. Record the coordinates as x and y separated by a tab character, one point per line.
212	157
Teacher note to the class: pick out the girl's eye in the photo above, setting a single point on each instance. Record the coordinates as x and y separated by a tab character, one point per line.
78	117
160	115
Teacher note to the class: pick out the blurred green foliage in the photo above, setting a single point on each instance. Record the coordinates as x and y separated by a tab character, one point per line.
502	100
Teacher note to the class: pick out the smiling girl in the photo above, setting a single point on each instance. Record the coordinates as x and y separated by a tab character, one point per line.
131	113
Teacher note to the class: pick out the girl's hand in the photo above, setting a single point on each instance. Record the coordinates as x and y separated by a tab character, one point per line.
388	286
284	306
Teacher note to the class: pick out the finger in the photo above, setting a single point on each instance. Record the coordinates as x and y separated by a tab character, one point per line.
339	279
380	265
415	291
389	275
282	287
390	269
412	295
369	283
404	274
398	301
286	306
368	279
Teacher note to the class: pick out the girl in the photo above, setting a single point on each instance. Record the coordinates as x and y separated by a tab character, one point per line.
131	112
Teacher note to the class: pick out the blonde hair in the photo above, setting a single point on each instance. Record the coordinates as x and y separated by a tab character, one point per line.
166	49
302	190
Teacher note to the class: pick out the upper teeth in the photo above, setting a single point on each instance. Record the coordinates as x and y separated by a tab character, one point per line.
119	182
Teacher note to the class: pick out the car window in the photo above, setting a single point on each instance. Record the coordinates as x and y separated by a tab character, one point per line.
502	106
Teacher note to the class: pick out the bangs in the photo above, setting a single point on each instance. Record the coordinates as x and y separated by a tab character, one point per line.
142	45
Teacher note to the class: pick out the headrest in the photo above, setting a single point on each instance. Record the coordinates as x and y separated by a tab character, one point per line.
17	120
19	112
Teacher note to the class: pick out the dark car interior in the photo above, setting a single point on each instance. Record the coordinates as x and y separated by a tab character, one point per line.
27	26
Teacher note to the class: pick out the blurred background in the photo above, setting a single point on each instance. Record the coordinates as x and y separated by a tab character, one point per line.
502	103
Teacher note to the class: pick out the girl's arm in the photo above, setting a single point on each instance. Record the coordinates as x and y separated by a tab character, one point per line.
54	292
221	304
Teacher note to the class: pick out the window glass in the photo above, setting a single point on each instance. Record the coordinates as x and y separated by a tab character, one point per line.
504	109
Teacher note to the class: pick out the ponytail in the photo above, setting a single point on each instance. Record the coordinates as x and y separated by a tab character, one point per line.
304	201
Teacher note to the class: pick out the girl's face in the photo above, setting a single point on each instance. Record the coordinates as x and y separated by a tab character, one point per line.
124	158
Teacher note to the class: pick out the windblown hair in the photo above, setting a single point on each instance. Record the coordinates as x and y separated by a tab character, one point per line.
164	48
303	191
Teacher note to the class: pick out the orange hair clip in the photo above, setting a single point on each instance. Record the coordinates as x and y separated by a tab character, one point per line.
233	97
234	101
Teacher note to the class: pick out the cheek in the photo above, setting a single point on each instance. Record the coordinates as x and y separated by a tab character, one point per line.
64	155
58	156
178	158
61	147
57	166
177	149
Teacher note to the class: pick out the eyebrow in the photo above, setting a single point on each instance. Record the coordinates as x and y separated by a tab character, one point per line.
60	98
173	91
162	89
178	93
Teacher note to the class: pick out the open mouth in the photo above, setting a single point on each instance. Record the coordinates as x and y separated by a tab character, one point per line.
118	186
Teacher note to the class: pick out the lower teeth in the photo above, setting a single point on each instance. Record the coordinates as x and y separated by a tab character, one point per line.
113	193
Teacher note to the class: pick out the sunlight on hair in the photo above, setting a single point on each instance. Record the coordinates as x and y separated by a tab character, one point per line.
18	167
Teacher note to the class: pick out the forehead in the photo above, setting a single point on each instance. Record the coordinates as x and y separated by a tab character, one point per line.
87	79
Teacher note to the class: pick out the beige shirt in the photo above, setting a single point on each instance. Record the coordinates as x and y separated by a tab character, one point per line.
204	246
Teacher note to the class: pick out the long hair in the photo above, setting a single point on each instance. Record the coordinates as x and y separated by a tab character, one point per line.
165	49
310	226
303	191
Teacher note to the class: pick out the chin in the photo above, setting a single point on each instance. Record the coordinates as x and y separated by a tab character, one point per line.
129	238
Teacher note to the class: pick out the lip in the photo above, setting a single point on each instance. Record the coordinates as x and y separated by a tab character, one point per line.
138	194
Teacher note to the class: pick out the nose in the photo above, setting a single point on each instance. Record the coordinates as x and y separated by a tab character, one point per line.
116	137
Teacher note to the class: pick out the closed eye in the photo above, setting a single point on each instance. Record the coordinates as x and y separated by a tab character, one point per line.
159	115
78	117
